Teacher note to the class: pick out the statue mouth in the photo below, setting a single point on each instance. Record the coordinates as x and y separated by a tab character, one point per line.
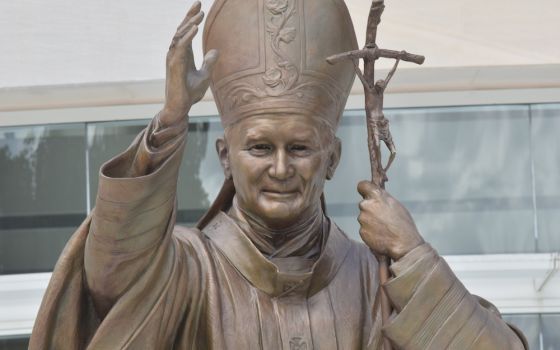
279	194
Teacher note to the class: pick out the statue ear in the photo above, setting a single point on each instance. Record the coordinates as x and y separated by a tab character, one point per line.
223	155
334	158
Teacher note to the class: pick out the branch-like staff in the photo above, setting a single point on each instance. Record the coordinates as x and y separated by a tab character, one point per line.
377	124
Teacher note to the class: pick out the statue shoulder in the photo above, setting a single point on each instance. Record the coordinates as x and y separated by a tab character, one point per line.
190	236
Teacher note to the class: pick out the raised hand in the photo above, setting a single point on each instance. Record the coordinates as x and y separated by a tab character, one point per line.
184	84
385	224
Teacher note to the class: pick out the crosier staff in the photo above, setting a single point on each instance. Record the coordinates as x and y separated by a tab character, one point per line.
377	124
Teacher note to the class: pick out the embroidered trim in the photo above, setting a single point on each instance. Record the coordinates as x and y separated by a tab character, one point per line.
281	79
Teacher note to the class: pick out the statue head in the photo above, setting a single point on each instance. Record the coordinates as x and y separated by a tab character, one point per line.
279	100
279	164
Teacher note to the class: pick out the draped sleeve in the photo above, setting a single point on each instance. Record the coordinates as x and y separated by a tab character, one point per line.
125	279
435	311
133	213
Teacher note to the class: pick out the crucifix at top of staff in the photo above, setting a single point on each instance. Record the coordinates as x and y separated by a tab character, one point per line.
377	124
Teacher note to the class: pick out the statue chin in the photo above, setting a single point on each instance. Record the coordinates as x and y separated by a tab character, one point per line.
279	211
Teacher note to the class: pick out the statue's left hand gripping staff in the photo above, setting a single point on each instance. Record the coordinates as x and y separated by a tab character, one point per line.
377	124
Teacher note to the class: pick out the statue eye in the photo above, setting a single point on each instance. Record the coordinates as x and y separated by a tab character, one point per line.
298	148
260	149
262	146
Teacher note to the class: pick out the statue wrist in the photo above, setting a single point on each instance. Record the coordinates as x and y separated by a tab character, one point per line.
170	116
400	252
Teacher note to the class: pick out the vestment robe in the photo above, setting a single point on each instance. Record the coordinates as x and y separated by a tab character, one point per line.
130	279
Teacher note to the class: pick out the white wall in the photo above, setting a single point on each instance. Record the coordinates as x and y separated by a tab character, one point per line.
68	41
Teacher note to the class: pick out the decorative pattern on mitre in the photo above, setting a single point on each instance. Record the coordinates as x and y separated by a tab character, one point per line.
272	57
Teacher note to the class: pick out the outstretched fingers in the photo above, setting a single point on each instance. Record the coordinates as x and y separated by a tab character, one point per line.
185	40
188	27
195	8
192	22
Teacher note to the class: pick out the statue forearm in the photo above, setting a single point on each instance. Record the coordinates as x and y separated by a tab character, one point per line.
135	201
435	311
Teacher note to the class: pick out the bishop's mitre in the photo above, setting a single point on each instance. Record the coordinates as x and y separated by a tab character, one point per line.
272	57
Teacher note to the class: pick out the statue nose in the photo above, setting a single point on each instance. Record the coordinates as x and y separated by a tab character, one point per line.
281	168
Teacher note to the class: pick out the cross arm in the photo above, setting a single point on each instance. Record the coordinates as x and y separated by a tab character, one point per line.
375	53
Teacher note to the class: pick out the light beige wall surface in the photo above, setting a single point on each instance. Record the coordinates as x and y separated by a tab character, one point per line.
64	41
455	33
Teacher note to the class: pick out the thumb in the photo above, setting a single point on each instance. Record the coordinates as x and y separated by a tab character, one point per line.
209	61
368	189
201	78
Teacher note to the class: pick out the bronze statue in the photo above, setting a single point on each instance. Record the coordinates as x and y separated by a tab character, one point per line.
265	268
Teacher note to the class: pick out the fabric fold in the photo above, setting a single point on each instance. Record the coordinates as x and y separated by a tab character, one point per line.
435	310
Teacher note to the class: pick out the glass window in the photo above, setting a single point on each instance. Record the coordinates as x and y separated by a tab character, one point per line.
463	172
201	175
546	155
14	342
42	194
550	327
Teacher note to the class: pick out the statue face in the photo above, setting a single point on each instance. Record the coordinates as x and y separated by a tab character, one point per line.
279	166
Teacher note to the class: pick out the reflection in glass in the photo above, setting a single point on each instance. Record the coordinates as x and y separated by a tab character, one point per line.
42	193
201	175
463	172
546	154
550	330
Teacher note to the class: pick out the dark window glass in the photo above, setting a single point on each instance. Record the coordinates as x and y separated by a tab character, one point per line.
464	173
42	193
546	154
14	342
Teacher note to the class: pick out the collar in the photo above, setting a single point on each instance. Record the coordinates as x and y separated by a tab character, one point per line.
226	235
304	240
